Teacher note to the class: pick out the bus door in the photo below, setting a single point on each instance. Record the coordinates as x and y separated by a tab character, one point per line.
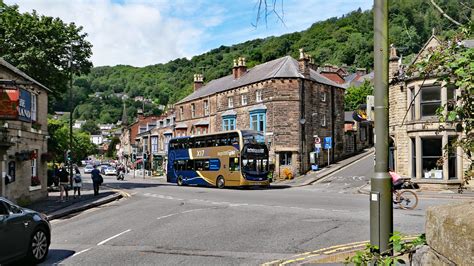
234	169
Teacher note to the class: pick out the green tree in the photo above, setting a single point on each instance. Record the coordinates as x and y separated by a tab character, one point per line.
41	46
357	95
90	127
111	151
58	143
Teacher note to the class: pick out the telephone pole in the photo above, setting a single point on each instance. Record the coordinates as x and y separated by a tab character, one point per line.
381	209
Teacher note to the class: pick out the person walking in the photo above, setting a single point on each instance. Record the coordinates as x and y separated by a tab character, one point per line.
63	183
96	180
77	184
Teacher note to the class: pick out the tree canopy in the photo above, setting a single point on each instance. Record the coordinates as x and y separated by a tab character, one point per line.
42	47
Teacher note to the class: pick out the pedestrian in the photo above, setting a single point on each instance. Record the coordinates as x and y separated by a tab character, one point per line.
96	180
77	183
63	183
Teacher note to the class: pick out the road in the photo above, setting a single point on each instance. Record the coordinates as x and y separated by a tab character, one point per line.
165	224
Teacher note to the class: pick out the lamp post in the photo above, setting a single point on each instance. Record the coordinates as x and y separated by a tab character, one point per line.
70	113
381	209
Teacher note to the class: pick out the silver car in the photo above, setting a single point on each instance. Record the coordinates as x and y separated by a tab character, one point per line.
23	233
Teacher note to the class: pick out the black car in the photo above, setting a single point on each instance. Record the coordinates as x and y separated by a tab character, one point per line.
23	233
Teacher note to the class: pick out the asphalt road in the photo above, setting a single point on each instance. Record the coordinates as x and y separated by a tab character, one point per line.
165	224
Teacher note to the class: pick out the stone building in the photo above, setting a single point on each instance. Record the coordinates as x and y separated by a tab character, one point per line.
415	139
23	135
287	99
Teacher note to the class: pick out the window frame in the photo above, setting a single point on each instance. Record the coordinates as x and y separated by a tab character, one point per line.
323	96
181	113
323	120
193	110
230	102
244	96
34	107
229	123
260	118
285	157
206	107
430	102
258	96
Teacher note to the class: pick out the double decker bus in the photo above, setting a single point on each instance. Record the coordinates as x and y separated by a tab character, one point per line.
224	159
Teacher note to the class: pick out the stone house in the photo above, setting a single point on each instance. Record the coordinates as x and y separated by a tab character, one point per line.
287	99
416	143
357	135
23	135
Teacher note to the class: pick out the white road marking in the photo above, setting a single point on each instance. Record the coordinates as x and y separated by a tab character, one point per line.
234	205
80	252
110	238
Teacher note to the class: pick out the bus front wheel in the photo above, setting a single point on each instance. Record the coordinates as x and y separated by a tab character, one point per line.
220	182
179	181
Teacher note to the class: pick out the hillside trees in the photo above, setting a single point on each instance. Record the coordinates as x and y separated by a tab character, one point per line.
344	40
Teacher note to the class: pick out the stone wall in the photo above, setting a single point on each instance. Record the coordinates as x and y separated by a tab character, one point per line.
449	235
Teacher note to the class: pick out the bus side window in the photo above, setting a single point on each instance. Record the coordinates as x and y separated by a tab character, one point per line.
190	165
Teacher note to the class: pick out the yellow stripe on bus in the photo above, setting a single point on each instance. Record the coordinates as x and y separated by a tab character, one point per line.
207	179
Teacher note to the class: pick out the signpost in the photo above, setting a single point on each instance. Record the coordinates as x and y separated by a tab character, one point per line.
328	146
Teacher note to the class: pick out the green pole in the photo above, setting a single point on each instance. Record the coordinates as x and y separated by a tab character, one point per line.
381	209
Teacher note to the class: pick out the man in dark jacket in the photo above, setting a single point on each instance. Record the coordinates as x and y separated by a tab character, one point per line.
96	180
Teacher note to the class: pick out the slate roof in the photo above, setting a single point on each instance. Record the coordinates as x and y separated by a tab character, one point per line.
284	67
21	73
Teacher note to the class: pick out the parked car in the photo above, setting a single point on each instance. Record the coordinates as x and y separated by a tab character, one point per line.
110	171
23	234
103	166
88	169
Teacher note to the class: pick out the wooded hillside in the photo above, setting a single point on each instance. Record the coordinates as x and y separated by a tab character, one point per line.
345	40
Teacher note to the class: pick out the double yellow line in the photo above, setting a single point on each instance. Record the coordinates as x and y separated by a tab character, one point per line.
326	251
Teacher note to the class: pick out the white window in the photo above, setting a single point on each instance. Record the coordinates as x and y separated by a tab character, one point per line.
33	106
154	145
323	96
230	102
258	96
193	110
244	99
323	120
34	169
206	107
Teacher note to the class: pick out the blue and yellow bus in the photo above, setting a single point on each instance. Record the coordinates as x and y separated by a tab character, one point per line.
224	159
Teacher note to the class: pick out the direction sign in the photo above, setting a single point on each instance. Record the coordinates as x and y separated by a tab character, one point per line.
327	143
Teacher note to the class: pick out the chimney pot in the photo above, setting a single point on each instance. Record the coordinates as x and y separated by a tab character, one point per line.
198	81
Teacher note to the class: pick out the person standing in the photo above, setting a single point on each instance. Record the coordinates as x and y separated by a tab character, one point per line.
77	184
63	183
96	180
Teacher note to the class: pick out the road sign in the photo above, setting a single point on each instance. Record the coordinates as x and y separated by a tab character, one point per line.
317	140
317	150
317	145
327	143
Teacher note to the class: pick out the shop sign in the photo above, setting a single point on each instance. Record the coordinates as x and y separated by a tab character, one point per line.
9	103
24	106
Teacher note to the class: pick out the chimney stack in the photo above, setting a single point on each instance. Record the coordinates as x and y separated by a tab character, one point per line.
140	114
198	81
303	63
240	68
393	65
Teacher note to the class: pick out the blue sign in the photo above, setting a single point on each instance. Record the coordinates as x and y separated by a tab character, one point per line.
24	106
317	150
327	143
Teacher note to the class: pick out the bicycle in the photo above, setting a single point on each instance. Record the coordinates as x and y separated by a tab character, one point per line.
406	199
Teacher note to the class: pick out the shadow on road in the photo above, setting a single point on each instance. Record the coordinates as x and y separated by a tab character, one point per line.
130	185
55	256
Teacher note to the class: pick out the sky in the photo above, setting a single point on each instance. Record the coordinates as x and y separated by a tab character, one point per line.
147	32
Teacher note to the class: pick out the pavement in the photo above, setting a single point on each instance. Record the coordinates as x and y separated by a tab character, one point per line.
54	208
314	176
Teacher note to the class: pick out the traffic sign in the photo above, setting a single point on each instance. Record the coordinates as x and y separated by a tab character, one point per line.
317	145
327	143
317	140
